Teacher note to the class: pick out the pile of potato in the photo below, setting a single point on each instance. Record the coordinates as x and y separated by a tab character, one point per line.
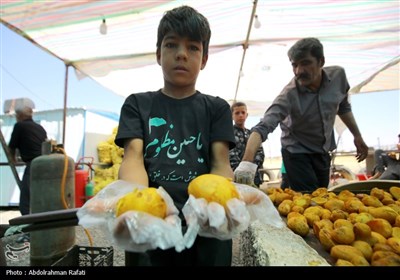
356	229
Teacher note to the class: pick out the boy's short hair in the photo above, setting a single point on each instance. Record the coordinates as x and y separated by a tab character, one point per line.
186	22
304	46
238	104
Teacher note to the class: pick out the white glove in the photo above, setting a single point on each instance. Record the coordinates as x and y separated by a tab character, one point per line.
245	173
210	219
133	231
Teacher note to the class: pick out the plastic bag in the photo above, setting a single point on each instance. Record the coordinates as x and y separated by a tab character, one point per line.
133	231
211	219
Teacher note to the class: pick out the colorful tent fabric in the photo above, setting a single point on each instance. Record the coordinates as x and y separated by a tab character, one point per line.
362	36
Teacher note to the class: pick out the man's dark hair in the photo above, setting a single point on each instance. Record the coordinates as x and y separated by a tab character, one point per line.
304	46
237	104
186	22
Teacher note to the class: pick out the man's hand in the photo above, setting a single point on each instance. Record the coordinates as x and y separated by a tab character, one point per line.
362	149
245	172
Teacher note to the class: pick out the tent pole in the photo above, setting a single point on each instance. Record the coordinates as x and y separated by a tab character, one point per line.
65	103
245	46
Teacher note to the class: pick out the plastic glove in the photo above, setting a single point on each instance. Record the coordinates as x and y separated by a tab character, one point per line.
211	219
260	206
98	209
134	231
245	173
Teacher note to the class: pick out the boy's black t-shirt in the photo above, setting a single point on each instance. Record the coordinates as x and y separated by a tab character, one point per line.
177	136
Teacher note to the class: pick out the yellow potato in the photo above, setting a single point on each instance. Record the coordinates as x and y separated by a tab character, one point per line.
302	201
298	225
325	238
395	207
311	218
146	200
378	193
396	232
353	205
394	242
343	235
361	230
372	240
294	214
319	200
338	214
387	201
395	192
214	188
345	195
281	196
381	226
392	260
369	200
320	192
385	258
326	214
364	247
384	212
363	218
333	204
297	209
341	262
324	223
342	223
284	207
383	247
379	237
345	252
359	261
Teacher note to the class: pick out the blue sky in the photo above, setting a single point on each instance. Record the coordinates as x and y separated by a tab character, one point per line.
28	71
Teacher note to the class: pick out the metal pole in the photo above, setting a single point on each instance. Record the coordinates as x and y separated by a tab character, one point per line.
65	104
10	160
245	46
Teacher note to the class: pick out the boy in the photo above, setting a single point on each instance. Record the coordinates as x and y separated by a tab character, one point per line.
239	116
175	134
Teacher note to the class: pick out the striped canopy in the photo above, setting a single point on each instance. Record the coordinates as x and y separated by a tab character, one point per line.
362	36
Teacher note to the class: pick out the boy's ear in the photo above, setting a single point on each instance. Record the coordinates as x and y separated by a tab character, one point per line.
158	55
204	61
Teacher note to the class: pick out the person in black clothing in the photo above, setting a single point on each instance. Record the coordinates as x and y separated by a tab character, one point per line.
27	136
172	135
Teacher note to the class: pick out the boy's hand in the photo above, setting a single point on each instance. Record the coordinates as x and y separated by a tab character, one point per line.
245	173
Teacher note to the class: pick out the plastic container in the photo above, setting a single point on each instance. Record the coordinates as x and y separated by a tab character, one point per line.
89	190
